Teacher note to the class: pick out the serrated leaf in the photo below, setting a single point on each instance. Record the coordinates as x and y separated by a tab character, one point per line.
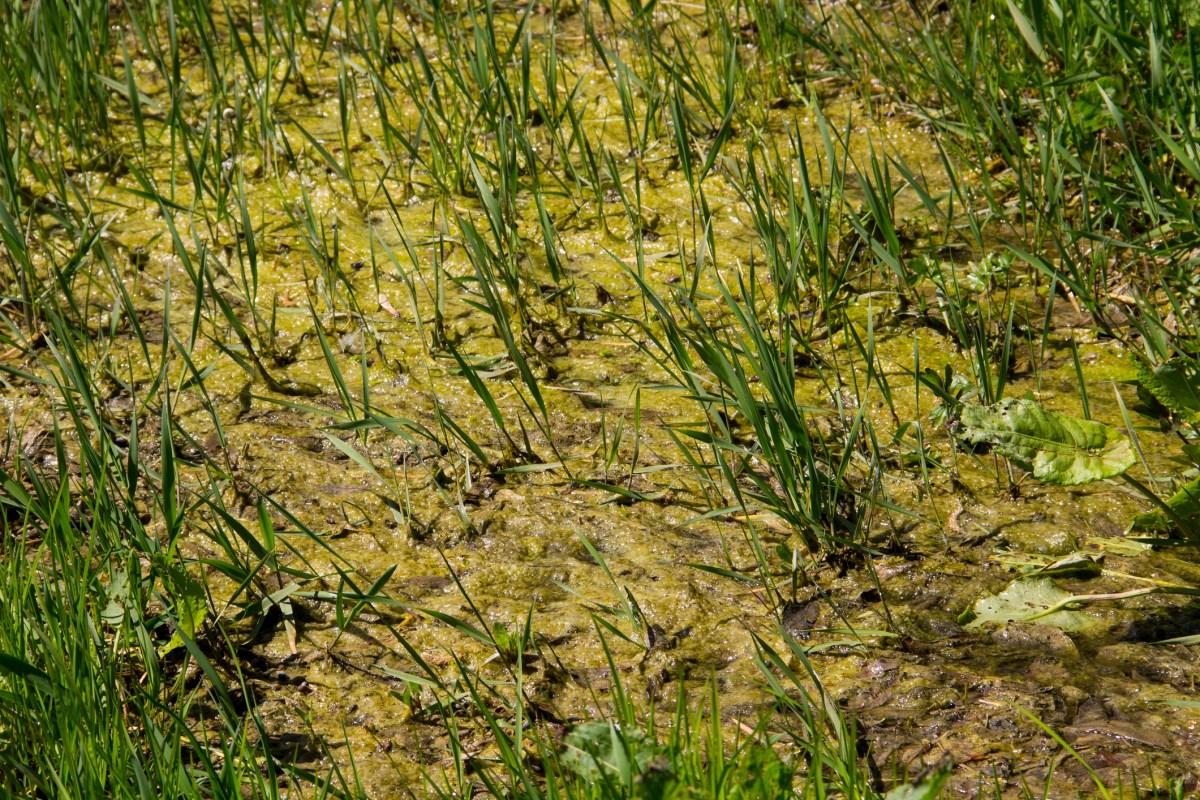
1176	385
1055	448
1025	599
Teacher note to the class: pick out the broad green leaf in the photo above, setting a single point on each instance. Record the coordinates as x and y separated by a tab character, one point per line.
1186	505
599	751
190	603
117	592
1192	453
1025	599
1055	448
1176	385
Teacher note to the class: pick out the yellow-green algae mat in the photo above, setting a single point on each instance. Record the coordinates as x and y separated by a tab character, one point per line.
383	288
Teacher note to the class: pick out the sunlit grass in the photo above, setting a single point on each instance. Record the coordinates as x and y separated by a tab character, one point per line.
169	166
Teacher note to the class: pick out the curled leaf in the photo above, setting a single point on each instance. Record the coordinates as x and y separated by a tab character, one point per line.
1077	565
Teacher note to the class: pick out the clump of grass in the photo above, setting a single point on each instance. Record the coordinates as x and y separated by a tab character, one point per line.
806	485
103	616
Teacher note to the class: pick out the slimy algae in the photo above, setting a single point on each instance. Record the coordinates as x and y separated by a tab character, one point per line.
379	305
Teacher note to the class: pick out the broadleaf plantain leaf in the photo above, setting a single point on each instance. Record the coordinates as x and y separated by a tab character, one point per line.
1055	448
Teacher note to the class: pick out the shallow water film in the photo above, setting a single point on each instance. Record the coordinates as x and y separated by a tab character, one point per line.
599	399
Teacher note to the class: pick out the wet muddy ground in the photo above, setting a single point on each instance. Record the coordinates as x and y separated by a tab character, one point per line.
926	691
882	629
